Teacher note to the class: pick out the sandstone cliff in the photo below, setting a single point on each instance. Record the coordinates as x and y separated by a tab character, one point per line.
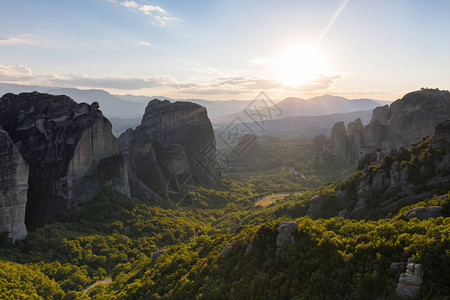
70	150
13	188
172	149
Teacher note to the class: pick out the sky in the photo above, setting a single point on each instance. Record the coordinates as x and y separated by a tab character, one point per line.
221	50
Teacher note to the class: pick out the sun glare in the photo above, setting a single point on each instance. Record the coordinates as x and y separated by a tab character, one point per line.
300	64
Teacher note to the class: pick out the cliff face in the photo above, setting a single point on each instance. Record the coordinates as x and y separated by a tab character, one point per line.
348	141
441	136
173	148
401	124
405	177
407	120
13	188
63	143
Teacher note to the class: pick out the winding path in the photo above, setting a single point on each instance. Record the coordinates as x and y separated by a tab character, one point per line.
104	281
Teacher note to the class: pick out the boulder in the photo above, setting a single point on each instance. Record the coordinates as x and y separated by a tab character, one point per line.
70	150
410	282
13	188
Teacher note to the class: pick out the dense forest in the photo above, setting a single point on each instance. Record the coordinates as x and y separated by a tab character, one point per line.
224	246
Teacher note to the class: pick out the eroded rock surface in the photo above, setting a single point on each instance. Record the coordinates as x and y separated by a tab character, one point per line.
70	150
13	188
424	212
315	204
172	150
285	235
410	282
401	124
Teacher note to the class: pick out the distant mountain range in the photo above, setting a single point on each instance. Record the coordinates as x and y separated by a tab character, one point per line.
110	105
124	106
293	127
317	106
125	111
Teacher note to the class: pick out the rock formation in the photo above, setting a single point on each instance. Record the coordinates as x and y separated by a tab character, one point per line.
392	183
410	282
13	188
441	137
70	150
315	204
172	149
401	124
155	256
226	249
285	235
407	120
424	212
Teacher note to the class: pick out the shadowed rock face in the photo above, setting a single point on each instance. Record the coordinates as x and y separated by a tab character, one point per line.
13	188
407	120
173	147
285	235
63	142
401	124
441	136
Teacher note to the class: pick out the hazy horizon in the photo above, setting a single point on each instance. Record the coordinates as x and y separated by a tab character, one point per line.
228	50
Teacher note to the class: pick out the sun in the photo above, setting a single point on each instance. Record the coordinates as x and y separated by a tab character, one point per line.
299	64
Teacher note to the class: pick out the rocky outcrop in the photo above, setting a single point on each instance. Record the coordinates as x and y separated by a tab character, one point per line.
409	119
401	124
422	213
410	282
172	149
315	204
348	141
13	188
70	150
339	139
226	249
441	137
155	256
285	235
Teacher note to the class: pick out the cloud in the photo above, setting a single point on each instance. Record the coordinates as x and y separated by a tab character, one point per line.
209	84
243	83
108	82
129	4
250	83
14	41
321	82
143	43
15	73
158	15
